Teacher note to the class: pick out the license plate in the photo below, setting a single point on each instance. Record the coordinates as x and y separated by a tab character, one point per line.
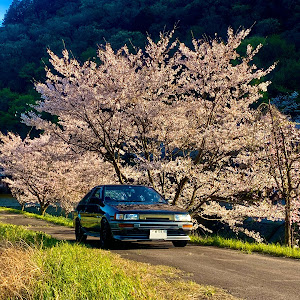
158	235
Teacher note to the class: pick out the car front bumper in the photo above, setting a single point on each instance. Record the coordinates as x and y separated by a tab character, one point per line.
140	231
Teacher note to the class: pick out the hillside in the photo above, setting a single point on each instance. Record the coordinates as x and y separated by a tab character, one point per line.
30	26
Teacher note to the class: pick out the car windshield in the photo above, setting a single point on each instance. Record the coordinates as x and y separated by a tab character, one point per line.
132	194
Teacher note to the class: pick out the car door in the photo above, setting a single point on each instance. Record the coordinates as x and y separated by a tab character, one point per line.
81	208
91	219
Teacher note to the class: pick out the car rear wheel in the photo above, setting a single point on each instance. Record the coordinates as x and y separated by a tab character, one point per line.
179	243
79	234
106	238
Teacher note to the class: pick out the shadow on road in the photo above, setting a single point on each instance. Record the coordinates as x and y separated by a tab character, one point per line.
131	245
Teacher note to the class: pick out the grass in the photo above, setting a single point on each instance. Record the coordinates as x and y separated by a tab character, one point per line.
49	218
19	235
17	272
272	249
99	274
68	271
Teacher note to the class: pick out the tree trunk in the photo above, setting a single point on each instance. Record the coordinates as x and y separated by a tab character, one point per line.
151	178
288	227
43	209
180	187
121	177
147	156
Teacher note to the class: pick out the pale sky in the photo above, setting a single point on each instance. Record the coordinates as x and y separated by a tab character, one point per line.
4	4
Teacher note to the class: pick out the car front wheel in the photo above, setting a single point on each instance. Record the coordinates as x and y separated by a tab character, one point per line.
179	243
106	238
79	234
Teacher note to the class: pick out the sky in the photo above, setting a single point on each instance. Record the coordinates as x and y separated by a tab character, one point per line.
4	4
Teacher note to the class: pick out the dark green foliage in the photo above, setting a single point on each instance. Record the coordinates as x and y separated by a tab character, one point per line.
286	76
11	106
30	26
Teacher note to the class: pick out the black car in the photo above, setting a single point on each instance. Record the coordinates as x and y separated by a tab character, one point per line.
130	213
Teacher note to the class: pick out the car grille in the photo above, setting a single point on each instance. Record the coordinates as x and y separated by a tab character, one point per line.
157	217
157	226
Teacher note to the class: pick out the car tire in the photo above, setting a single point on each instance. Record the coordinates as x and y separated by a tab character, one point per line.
79	234
179	243
106	239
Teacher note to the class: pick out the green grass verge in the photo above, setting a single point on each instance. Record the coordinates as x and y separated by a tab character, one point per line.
20	235
68	271
272	249
77	272
49	218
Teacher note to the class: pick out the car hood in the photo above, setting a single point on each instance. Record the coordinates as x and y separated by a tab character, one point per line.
163	208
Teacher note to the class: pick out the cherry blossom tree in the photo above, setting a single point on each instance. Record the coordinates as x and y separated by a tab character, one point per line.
176	118
19	193
48	171
280	160
220	90
94	103
202	151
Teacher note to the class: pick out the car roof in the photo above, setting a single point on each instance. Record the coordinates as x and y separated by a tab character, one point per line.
104	185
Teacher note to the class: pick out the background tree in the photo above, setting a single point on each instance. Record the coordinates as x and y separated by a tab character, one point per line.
280	159
101	103
49	172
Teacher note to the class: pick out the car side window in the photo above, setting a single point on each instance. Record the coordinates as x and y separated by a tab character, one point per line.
82	203
98	193
96	196
85	198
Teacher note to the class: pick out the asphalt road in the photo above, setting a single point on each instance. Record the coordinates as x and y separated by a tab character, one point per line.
248	276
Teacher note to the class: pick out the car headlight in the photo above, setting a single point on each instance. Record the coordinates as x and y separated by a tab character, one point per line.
130	217
183	218
119	217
